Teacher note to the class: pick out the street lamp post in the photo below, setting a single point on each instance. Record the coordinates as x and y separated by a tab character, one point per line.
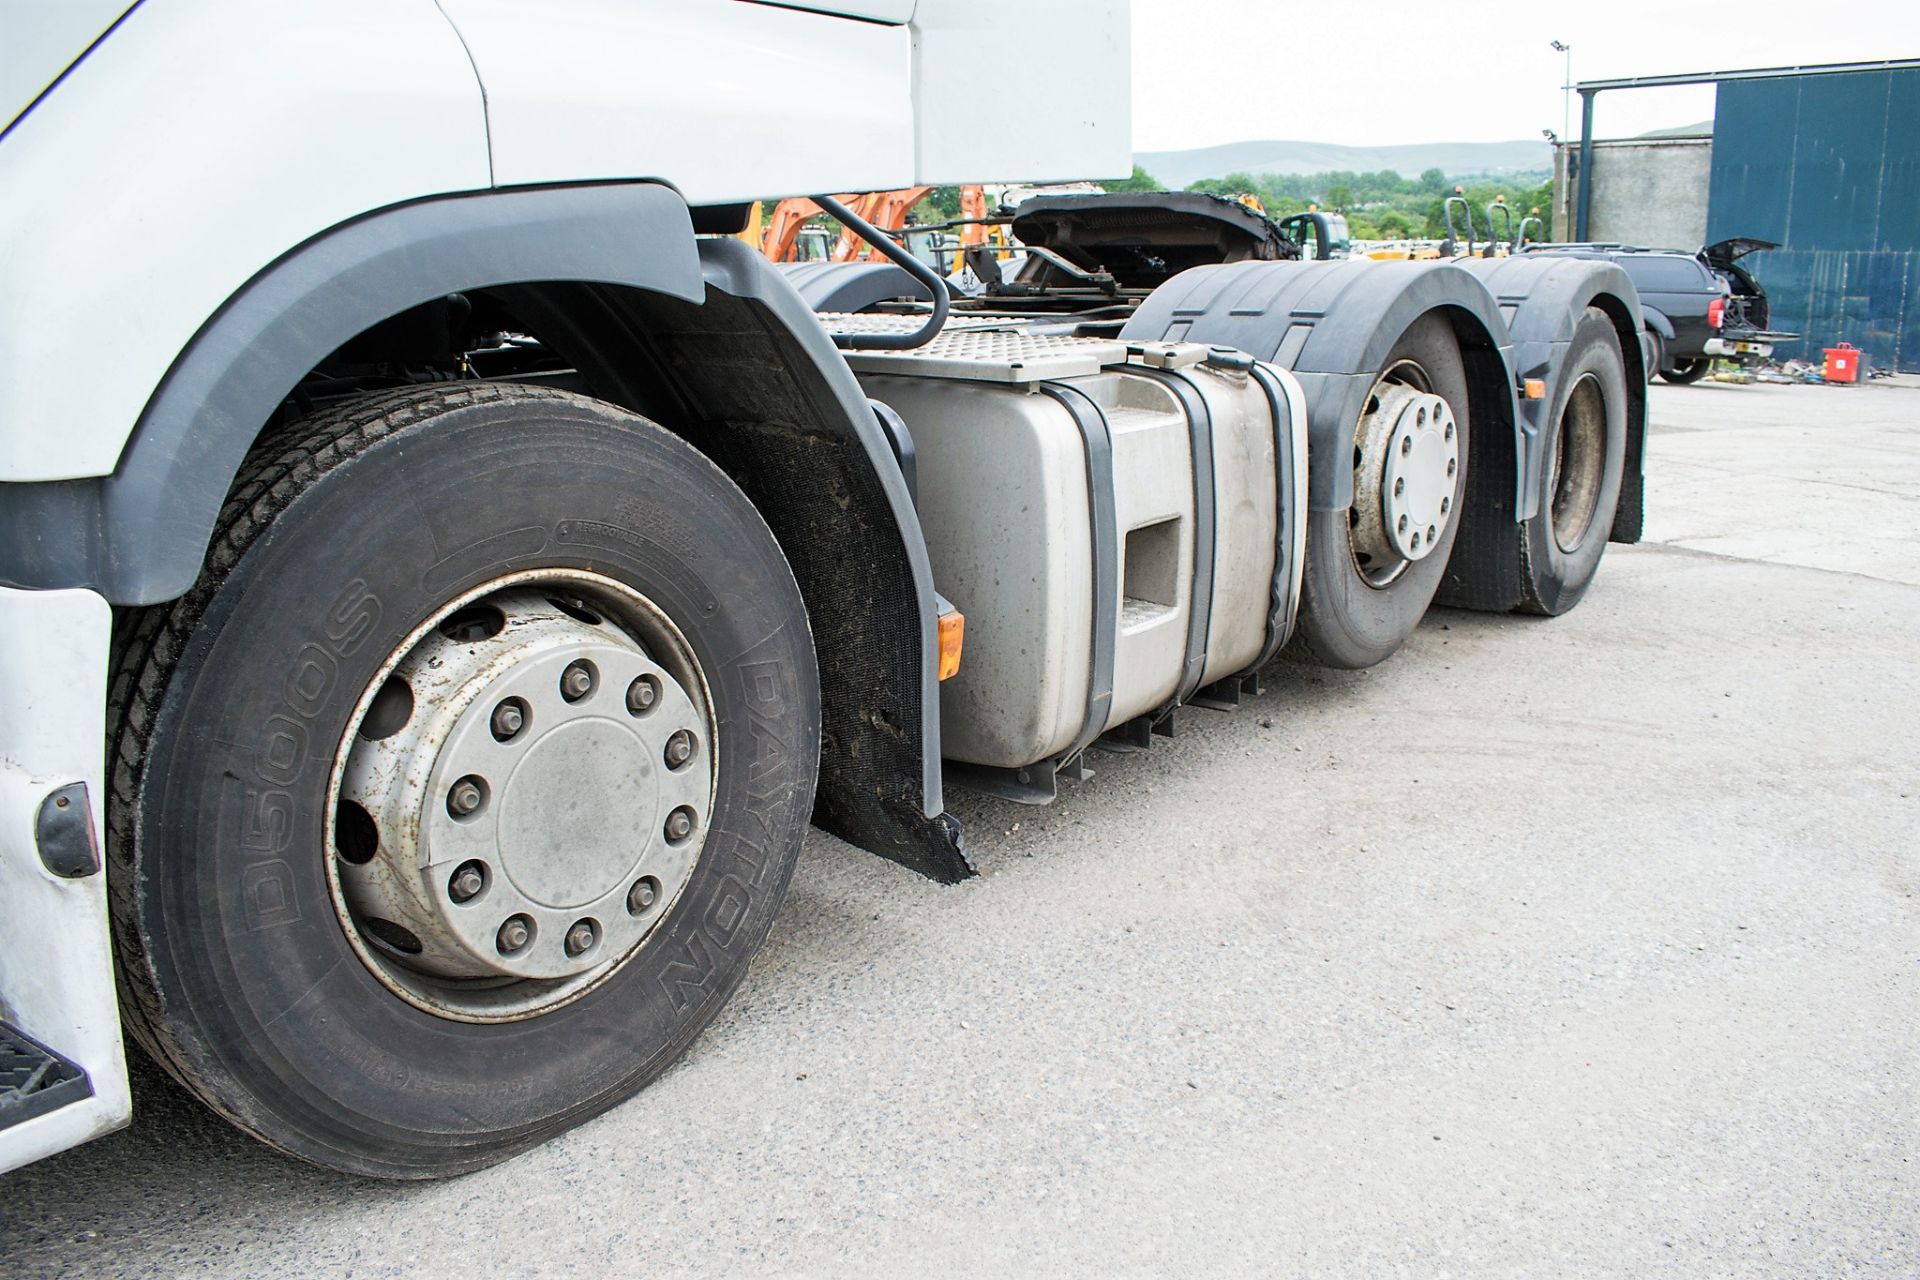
1566	87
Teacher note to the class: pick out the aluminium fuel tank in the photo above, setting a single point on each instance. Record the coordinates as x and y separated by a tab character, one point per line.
1121	524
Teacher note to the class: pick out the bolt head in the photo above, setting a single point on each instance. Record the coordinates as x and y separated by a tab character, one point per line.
642	694
679	824
679	748
641	896
508	720
513	935
579	938
576	682
466	882
464	798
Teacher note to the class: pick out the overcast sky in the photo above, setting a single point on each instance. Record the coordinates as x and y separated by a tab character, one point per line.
1393	71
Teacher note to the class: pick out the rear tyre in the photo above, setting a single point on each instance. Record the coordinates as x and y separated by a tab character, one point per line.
1579	485
1682	373
1372	570
457	795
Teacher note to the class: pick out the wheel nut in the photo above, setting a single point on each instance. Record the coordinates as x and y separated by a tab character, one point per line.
642	895
576	682
642	694
508	719
580	937
514	935
679	749
468	879
679	824
464	797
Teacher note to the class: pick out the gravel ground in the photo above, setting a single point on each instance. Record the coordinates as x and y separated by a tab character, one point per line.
1586	947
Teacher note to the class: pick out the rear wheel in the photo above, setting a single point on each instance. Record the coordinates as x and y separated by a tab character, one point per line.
1372	570
1683	373
1561	546
458	794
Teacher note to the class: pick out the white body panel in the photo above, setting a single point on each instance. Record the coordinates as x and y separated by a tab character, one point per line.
1079	51
43	39
192	147
727	101
212	136
55	979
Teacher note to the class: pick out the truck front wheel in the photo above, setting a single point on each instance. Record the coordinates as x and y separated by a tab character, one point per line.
1372	569
458	794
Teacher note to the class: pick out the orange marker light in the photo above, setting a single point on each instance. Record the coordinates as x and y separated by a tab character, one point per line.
953	632
1536	389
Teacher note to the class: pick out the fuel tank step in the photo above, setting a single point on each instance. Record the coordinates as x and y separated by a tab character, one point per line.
34	1079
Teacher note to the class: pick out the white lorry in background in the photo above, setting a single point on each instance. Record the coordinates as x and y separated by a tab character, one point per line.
442	571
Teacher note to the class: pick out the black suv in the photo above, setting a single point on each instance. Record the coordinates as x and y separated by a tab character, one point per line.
1699	306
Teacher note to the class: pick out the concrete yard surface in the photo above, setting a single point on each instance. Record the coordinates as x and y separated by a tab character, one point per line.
1577	947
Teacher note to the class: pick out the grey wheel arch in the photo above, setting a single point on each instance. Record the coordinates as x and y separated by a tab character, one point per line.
1333	324
1543	298
139	535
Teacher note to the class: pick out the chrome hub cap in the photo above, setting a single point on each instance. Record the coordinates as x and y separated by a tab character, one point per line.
524	797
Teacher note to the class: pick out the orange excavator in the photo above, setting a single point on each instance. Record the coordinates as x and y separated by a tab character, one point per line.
779	239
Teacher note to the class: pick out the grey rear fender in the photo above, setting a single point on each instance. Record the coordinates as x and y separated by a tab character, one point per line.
851	286
1333	324
1543	298
706	337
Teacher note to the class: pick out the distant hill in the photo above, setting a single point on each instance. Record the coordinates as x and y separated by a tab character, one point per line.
1702	130
1178	168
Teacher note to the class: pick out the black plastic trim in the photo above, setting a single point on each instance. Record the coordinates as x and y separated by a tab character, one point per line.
1097	436
63	833
138	535
1200	599
34	1080
1283	604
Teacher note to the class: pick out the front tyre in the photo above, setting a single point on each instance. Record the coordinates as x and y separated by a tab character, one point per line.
458	794
1372	569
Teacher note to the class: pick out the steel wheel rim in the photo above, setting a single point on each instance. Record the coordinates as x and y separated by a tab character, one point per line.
1403	416
635	638
1579	464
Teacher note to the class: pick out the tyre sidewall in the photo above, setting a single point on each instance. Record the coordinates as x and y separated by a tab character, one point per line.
1555	580
1345	622
266	1003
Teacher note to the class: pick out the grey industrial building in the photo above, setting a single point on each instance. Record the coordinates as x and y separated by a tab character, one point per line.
1823	160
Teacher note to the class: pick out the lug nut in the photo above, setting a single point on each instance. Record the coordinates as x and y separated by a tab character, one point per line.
464	797
580	937
679	749
642	895
576	682
508	719
468	879
679	824
642	694
514	935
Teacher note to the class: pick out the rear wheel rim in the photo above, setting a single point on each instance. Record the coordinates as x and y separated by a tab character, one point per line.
522	794
1579	464
1406	463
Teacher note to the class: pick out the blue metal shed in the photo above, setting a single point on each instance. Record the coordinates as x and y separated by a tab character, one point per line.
1825	160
